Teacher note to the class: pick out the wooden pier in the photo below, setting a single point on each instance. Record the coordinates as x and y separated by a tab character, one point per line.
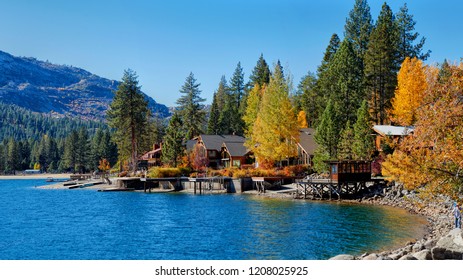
347	179
261	184
210	184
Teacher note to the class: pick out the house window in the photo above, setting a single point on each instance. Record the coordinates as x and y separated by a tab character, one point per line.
212	154
236	163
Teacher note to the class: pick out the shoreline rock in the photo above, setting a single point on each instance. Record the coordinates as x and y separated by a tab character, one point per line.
440	242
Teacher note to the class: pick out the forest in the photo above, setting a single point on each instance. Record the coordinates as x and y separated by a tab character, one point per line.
374	74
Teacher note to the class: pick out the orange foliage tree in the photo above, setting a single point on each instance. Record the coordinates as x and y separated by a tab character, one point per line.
433	156
302	119
411	85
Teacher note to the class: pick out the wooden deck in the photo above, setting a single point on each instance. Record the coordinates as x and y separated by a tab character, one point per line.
329	189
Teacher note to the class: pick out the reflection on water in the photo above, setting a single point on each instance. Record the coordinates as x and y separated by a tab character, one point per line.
82	224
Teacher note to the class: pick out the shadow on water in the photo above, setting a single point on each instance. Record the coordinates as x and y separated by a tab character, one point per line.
84	224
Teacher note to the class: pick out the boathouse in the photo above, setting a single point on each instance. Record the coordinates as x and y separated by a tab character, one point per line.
346	171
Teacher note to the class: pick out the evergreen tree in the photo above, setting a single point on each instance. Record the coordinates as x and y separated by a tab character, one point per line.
214	115
363	144
327	132
323	85
71	151
83	151
382	64
51	154
261	73
331	49
173	148
12	159
128	115
346	77
345	150
308	99
358	27
407	37
96	152
190	108
236	105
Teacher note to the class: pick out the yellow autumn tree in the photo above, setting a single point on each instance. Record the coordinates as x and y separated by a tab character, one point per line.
432	157
411	84
302	119
275	129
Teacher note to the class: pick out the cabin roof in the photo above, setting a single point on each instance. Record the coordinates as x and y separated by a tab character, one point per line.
236	149
391	130
307	140
214	142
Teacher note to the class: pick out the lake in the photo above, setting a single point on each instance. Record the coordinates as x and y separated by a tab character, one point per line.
44	224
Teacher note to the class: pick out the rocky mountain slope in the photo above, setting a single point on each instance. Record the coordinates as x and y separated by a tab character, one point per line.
57	89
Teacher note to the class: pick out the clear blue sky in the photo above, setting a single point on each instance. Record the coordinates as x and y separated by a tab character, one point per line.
163	41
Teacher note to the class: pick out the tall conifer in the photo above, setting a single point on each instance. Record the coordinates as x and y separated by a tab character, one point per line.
128	115
382	64
191	108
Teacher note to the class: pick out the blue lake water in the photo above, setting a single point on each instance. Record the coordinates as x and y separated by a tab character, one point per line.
84	224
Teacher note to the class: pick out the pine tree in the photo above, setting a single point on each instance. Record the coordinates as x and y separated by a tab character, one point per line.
327	132
358	27
12	158
363	144
83	151
236	105
190	108
407	36
261	73
345	76
345	150
173	148
217	121
308	99
323	85
331	49
71	151
382	64
128	115
213	123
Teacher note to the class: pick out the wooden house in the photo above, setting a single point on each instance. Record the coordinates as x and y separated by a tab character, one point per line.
344	171
223	150
306	146
390	134
151	158
234	154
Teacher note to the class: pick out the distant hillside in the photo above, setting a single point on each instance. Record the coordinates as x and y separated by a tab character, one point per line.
60	90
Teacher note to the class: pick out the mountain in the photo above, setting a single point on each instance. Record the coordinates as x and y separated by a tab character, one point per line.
58	89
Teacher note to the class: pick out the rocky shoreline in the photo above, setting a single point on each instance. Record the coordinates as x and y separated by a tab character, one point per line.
441	241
